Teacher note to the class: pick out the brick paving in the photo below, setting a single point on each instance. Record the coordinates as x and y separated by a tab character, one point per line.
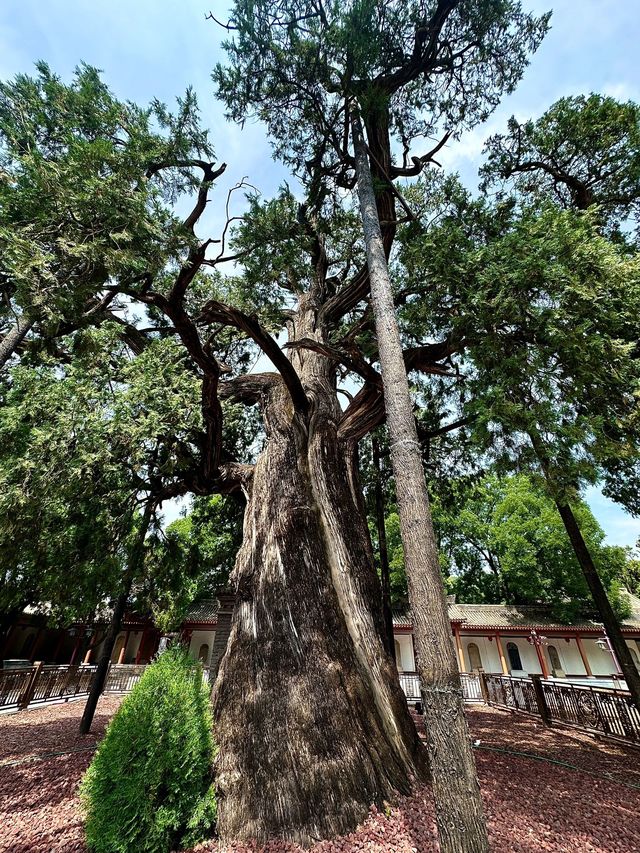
532	805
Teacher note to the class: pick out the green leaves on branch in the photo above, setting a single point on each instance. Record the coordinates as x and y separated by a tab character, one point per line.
294	63
80	446
502	540
583	151
546	307
193	558
85	187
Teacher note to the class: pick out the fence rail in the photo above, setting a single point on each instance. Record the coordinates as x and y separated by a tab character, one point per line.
471	686
13	684
470	682
122	678
41	683
596	710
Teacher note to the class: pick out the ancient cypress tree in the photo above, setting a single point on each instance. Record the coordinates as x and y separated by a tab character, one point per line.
306	671
315	75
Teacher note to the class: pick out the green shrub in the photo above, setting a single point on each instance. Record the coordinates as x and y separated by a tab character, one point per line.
149	787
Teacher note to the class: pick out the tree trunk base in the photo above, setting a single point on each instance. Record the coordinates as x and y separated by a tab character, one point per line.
311	723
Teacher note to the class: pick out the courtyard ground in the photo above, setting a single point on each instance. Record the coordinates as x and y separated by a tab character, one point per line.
534	802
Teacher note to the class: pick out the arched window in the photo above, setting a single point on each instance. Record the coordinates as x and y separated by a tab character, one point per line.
514	656
203	654
398	656
554	657
475	661
634	658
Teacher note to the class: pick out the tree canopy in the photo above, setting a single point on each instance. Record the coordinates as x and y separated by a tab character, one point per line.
86	186
133	347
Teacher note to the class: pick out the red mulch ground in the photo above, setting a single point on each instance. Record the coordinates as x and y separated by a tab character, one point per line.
532	805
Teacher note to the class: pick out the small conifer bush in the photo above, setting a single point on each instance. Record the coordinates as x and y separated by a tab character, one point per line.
149	787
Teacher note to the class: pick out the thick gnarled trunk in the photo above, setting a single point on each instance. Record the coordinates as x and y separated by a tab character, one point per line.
311	723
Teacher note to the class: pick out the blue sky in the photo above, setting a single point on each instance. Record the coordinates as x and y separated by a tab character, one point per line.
156	48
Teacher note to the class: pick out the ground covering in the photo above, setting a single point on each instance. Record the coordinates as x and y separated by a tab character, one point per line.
533	805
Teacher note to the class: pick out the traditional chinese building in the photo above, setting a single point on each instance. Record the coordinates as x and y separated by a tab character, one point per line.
516	640
524	640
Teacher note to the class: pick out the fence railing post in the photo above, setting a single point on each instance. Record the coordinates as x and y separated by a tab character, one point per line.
541	702
482	675
30	689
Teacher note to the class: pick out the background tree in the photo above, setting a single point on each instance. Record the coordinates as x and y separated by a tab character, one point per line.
91	441
546	316
192	558
299	616
594	145
86	186
583	152
502	540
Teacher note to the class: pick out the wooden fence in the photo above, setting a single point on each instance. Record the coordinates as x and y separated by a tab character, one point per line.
596	710
123	677
41	683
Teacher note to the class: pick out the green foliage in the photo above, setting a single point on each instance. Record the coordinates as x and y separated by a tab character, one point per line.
629	573
583	151
149	787
501	540
295	62
546	307
79	446
96	421
279	242
193	558
84	187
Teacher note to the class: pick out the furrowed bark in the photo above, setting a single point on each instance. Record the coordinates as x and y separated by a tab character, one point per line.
311	723
459	813
14	338
120	605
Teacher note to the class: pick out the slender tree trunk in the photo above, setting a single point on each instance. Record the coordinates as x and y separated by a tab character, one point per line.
459	812
311	722
120	604
382	550
590	572
14	338
601	601
499	576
